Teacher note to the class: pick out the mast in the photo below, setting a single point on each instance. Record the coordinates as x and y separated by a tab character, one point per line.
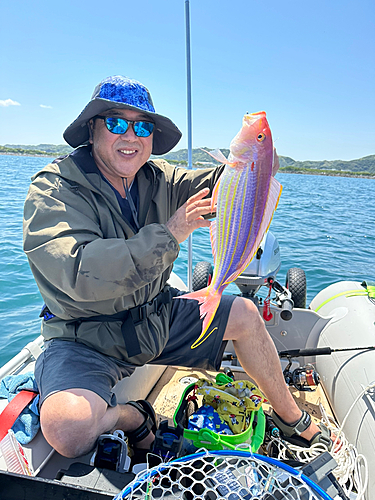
189	127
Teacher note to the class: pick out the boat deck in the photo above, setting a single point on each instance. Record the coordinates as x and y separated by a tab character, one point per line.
167	393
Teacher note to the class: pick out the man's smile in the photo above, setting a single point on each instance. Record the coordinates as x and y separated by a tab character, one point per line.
128	151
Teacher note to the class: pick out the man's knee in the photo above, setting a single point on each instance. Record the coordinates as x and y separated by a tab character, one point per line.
69	419
244	320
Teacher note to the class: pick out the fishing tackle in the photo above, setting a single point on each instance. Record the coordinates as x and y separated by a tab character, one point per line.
318	351
304	378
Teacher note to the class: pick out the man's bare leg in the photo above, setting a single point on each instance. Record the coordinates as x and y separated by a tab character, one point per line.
258	357
73	420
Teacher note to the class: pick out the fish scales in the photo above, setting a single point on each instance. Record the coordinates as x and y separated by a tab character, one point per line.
232	239
244	221
245	200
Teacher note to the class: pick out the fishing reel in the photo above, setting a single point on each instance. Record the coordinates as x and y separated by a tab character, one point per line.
304	378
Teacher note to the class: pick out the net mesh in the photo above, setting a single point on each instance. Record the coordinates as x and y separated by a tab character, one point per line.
225	475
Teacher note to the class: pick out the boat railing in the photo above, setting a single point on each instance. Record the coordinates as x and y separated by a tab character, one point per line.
30	352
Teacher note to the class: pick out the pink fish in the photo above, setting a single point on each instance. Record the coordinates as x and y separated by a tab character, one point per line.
245	199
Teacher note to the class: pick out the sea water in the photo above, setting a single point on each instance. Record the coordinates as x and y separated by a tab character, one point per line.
325	225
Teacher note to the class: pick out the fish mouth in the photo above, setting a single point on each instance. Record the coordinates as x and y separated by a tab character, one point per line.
254	131
254	123
250	118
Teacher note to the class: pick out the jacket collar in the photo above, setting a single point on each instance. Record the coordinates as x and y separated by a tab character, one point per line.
79	168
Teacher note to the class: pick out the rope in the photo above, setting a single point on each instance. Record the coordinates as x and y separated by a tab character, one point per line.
348	470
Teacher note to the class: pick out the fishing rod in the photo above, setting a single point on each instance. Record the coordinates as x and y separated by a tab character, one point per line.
313	351
319	351
303	378
306	378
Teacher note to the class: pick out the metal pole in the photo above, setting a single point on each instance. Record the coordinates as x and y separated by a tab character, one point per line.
189	124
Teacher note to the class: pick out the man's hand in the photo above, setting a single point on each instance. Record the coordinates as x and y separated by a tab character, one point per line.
190	216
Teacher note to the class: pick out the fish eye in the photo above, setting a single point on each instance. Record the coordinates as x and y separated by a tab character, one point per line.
261	137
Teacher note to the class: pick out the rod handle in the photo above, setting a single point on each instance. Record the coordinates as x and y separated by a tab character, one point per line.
314	351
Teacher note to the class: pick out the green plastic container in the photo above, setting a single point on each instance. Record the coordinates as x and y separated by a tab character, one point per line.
252	438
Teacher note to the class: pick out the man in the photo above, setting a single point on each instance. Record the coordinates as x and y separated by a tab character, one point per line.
102	229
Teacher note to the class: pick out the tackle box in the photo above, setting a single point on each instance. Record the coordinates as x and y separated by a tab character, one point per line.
251	438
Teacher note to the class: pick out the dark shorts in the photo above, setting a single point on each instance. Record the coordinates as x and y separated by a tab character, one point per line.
69	365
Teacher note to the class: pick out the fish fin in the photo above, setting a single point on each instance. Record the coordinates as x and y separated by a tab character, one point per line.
214	196
273	198
275	163
199	295
218	155
213	239
209	301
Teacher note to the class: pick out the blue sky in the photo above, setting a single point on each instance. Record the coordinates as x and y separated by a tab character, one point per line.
309	64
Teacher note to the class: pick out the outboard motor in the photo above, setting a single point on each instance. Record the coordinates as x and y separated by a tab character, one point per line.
264	267
262	271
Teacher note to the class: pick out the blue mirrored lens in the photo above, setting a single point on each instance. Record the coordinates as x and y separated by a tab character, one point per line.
116	125
120	126
143	129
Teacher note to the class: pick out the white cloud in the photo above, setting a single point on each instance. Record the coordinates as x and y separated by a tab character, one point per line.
44	106
9	102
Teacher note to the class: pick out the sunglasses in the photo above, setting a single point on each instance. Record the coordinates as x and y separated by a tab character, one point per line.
120	126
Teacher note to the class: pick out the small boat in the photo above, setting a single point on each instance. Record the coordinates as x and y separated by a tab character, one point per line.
328	359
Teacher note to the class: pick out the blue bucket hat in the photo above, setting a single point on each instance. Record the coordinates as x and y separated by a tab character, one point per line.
120	92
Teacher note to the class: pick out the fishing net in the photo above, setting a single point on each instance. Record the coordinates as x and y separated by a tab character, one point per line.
224	474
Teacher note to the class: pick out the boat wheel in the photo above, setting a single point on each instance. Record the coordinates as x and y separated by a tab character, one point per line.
296	284
202	275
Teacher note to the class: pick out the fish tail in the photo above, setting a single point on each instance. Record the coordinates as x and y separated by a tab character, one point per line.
209	300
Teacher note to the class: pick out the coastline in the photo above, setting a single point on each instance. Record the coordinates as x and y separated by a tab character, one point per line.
282	170
335	174
46	155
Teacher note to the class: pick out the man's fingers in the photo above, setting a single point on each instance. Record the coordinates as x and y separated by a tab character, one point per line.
198	196
197	213
190	215
197	205
202	206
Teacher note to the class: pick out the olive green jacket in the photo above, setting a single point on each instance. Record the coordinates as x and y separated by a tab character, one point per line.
86	258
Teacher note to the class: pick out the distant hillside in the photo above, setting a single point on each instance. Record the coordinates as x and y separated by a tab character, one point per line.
366	164
48	149
200	158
